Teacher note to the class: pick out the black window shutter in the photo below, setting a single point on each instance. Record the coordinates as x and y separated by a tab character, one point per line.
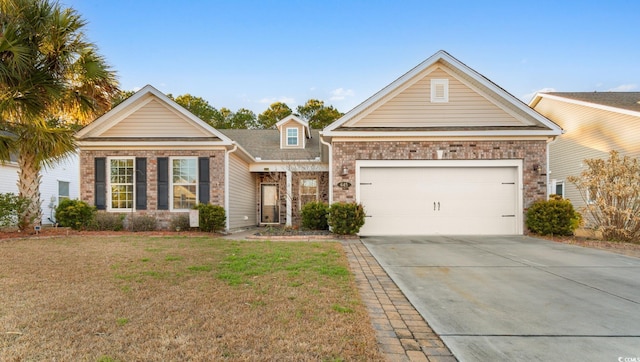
163	183
141	183
203	180
100	184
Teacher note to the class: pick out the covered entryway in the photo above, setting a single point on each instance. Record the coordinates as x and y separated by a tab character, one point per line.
440	197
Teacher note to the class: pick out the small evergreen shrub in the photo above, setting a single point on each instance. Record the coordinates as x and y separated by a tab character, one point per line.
75	214
180	222
555	216
106	221
346	218
143	223
212	217
11	206
314	215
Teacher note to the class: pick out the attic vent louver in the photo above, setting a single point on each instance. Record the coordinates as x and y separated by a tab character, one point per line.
439	90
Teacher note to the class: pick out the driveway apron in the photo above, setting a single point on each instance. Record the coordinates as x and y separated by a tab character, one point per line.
507	298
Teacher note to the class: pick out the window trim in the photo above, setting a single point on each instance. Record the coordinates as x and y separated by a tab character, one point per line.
109	200
171	184
300	186
559	183
68	196
435	83
297	136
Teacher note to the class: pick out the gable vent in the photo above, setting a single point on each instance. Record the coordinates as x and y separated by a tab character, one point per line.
439	90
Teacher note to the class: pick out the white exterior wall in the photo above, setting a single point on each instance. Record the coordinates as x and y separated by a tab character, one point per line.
242	195
67	170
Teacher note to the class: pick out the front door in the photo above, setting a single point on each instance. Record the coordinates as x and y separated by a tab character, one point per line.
269	213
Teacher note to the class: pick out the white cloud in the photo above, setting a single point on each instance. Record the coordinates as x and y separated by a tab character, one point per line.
623	88
283	99
341	93
529	96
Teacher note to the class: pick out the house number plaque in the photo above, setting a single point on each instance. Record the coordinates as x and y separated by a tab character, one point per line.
345	185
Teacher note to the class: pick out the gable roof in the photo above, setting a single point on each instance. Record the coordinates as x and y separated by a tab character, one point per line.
264	145
527	122
621	102
294	118
122	115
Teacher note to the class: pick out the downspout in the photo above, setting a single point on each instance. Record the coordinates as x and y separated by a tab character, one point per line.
226	182
554	139
330	167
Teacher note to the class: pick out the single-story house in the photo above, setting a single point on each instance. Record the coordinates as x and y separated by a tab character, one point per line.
595	123
441	150
57	183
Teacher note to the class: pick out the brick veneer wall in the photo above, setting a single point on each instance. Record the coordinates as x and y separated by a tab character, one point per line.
216	176
533	153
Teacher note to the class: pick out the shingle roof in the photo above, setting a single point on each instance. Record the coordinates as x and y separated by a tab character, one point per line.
622	100
265	144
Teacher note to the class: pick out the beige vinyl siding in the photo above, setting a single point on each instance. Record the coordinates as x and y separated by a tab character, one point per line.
413	107
589	133
242	195
155	120
283	134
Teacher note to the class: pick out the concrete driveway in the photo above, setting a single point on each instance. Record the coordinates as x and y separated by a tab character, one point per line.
516	298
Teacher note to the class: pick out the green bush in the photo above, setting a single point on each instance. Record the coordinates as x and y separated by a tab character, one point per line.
11	206
555	216
180	222
212	217
143	223
106	221
346	218
75	214
314	215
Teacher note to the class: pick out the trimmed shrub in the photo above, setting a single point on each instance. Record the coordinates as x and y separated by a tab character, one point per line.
106	221
212	217
143	223
11	206
555	216
75	214
314	215
180	222
346	218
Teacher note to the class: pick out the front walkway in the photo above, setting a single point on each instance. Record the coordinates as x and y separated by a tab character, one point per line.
403	335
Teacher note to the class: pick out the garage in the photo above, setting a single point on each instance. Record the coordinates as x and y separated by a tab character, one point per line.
440	197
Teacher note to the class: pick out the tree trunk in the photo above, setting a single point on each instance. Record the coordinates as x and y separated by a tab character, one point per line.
29	188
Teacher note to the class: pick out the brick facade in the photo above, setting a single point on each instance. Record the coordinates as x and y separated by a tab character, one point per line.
533	153
216	176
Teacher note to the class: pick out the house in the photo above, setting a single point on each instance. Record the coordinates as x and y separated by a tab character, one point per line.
595	123
441	150
57	183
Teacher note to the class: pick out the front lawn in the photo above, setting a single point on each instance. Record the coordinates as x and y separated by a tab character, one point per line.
126	298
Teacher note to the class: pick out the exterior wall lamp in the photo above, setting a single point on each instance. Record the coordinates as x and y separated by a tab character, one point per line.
345	171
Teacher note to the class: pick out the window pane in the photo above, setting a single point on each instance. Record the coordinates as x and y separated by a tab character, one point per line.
308	191
292	136
184	197
63	188
121	176
184	171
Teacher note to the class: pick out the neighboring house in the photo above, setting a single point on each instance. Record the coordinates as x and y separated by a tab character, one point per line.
594	123
57	183
441	150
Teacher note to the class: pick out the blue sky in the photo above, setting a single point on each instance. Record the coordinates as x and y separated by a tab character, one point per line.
249	54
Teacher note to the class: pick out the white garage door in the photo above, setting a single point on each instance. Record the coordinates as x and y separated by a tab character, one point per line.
439	200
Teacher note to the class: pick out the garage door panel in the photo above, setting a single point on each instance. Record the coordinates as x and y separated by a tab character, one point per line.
439	200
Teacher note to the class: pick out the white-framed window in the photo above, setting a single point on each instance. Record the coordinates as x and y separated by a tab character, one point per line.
121	186
308	190
292	136
63	190
184	183
439	90
559	190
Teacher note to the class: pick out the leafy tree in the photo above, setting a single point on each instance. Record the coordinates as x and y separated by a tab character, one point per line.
121	96
611	190
198	106
48	70
273	114
244	118
317	114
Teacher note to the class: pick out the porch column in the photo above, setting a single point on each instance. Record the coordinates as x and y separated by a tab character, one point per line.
289	197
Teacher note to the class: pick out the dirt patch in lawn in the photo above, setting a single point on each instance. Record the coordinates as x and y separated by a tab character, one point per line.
180	297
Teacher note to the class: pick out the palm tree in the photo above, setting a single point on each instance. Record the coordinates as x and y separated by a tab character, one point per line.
48	71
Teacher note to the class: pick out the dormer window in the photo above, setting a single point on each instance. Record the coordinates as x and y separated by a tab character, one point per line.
292	136
439	90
